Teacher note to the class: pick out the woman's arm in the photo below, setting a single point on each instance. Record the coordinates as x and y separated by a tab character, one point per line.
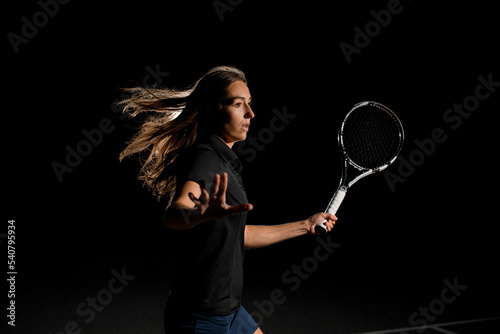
195	204
182	213
260	236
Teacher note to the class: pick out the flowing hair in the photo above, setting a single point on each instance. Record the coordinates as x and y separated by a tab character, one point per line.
175	119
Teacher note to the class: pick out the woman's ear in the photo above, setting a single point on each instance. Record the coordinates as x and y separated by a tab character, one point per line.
209	113
210	117
214	113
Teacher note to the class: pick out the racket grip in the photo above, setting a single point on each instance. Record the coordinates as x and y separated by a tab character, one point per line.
332	207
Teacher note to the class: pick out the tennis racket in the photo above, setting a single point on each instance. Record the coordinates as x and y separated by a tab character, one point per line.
370	137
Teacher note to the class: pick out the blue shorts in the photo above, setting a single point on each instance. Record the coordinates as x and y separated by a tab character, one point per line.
239	322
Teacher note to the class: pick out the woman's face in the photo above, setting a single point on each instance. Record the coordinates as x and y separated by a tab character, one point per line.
237	113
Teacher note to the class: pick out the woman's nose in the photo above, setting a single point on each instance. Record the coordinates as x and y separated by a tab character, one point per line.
250	113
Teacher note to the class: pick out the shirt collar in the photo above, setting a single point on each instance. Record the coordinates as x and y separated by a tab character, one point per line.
222	149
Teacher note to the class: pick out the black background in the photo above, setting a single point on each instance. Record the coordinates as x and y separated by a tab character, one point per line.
396	247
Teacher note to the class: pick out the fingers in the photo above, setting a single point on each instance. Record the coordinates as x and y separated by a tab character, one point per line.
239	208
219	187
215	186
193	198
205	196
328	219
223	186
217	191
329	225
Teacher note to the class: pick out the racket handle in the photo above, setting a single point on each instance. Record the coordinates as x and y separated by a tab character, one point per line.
332	207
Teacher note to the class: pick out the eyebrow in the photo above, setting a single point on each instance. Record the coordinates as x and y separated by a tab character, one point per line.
230	99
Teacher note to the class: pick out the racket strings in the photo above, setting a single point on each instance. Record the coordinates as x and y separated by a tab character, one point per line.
371	136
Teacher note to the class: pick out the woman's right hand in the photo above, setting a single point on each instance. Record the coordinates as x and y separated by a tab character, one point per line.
212	205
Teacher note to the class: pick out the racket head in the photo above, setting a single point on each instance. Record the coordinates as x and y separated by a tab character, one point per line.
371	136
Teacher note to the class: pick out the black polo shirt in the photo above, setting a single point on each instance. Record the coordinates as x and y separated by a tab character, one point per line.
209	279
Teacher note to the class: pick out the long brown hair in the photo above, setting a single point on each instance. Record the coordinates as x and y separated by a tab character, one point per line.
175	119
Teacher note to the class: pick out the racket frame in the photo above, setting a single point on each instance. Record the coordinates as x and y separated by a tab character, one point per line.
339	195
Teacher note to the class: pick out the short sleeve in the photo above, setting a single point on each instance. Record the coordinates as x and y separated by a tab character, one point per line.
202	164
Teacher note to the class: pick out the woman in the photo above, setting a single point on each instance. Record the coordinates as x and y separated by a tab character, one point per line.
190	135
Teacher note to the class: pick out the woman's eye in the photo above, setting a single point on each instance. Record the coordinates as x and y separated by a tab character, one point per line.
238	105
